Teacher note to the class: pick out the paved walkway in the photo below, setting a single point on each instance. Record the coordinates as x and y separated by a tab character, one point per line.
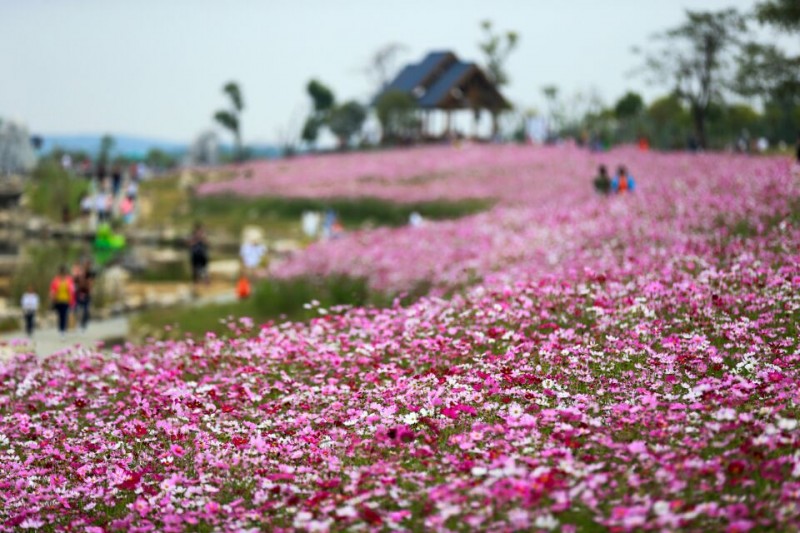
48	341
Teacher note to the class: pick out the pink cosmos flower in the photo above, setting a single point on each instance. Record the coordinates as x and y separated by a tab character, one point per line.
141	506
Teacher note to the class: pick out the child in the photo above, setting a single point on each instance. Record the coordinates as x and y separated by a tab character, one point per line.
243	288
30	305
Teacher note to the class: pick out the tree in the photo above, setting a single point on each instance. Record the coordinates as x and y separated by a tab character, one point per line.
230	119
159	159
346	120
555	109
396	111
785	14
106	145
669	121
381	65
629	106
321	96
496	48
765	70
311	129
694	60
628	112
323	101
235	94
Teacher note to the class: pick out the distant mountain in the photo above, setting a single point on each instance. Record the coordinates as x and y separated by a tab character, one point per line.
123	144
132	146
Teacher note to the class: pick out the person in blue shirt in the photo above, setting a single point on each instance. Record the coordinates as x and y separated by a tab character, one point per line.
623	181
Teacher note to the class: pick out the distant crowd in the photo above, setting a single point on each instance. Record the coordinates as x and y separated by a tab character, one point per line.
112	195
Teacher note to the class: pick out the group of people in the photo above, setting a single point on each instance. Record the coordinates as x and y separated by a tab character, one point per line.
69	292
107	200
621	183
321	226
251	255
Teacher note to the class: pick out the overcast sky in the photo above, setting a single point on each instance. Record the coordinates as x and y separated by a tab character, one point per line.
155	67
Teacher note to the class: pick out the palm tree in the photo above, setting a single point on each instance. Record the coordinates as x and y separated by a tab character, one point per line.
231	119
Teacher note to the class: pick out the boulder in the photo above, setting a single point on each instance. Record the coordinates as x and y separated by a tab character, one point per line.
227	269
113	282
253	234
283	246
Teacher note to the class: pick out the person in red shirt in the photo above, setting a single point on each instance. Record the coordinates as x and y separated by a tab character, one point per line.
62	294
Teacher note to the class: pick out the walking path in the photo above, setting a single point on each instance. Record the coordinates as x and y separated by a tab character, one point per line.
47	341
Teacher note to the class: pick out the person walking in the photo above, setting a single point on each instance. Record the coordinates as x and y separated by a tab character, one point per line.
198	254
62	294
84	281
103	203
116	180
30	306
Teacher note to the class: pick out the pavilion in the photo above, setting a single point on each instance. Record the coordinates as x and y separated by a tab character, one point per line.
441	82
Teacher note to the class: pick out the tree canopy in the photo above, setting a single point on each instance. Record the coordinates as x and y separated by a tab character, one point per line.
629	106
496	48
695	59
783	14
321	96
396	113
346	120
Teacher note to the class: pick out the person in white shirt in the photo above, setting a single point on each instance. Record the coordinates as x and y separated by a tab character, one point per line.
252	253
103	206
133	189
30	305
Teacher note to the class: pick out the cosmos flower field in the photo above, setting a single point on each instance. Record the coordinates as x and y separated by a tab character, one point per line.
582	363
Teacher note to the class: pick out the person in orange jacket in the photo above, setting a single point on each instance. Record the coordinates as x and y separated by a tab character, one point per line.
243	287
62	295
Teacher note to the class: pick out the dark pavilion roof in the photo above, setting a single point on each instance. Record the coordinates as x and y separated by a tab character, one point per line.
442	81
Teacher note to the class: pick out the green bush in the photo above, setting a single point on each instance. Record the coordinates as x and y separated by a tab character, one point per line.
52	191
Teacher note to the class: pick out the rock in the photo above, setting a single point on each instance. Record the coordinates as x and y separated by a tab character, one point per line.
184	293
8	264
168	234
283	246
164	256
253	234
113	283
186	179
227	269
134	302
34	225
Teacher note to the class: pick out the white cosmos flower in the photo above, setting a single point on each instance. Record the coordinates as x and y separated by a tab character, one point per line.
410	419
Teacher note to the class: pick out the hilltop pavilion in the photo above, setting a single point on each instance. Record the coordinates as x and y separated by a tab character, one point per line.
441	82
